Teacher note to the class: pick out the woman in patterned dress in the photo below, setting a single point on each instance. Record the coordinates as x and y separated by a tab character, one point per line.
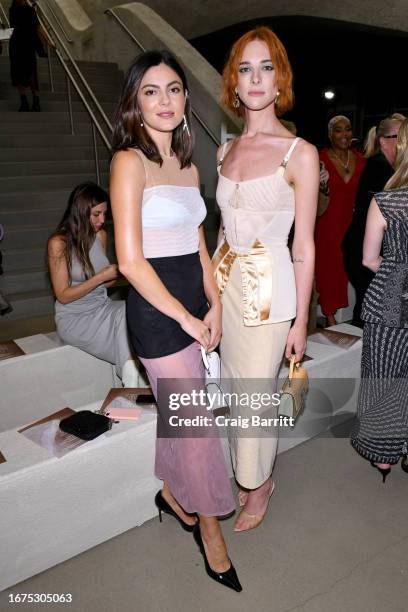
381	432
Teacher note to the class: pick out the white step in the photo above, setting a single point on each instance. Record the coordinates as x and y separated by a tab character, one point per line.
43	128
31	154
48	167
18	259
28	279
40	164
33	217
49	182
53	105
46	140
103	96
37	199
29	304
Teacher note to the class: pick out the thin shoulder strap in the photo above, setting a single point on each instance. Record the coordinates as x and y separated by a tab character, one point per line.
224	150
140	155
145	165
285	160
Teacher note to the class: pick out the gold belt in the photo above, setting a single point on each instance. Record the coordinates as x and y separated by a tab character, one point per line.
256	275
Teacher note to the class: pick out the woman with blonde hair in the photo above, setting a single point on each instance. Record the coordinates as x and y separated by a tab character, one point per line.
267	179
381	432
380	151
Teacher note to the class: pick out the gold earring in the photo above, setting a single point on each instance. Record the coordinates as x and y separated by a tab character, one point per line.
237	101
277	97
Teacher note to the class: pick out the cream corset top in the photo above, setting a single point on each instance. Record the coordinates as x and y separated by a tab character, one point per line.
257	215
262	208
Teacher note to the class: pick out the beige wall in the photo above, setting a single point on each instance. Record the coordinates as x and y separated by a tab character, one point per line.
108	42
167	23
196	17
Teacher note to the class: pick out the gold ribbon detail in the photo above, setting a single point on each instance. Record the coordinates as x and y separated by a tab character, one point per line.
256	275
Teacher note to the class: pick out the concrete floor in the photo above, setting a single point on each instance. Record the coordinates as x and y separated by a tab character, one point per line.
335	540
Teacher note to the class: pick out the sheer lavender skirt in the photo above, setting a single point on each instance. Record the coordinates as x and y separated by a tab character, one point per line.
193	467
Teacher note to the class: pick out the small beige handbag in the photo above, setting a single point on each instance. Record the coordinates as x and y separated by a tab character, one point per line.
293	393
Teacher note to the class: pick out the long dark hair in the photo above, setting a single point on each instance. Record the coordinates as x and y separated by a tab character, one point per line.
128	132
75	226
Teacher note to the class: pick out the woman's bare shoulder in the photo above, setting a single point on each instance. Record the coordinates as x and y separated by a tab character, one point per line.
57	245
128	159
103	237
304	150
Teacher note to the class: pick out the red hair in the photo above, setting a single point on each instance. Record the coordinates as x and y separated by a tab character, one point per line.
280	62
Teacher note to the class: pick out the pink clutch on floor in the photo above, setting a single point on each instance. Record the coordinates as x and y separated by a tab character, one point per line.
127	414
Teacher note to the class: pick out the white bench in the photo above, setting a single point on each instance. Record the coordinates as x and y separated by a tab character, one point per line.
37	343
35	385
52	509
334	382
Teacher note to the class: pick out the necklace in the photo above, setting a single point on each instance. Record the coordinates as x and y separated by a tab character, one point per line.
346	166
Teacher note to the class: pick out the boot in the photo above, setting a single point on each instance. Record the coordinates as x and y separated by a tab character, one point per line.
24	104
36	104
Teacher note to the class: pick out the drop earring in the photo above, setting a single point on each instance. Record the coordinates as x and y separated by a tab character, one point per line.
237	101
185	126
141	124
277	97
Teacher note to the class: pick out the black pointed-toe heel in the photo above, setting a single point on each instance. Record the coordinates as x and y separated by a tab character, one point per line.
384	471
404	463
228	578
163	506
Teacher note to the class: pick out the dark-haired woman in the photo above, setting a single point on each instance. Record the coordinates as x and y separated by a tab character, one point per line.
24	41
173	305
80	273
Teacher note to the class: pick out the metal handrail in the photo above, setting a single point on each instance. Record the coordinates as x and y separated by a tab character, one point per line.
57	19
139	44
95	123
71	80
78	71
3	12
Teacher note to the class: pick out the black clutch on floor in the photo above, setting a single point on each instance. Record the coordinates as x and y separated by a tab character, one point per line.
85	424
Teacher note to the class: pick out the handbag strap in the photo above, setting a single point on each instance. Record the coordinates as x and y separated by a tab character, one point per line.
292	366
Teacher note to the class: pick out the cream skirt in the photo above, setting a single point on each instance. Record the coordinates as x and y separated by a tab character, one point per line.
250	353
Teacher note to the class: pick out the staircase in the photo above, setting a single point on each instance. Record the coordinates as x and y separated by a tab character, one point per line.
40	164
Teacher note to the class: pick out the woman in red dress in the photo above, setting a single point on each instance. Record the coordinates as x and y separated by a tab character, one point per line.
344	166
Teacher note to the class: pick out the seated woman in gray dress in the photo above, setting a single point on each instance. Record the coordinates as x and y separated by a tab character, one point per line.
80	273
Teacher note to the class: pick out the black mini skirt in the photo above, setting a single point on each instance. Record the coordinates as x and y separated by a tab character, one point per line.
154	334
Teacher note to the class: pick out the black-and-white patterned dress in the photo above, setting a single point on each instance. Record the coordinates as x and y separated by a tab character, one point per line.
381	431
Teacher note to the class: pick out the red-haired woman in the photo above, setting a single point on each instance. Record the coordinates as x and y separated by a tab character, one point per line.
267	179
